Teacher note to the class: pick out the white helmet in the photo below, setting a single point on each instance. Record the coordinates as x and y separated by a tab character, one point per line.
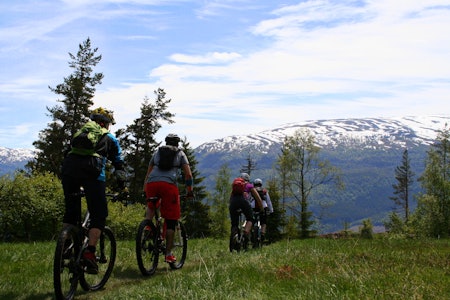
245	176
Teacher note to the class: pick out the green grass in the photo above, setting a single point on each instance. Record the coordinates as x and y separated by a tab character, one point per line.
296	269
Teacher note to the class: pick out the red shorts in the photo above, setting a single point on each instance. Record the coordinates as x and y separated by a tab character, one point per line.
169	199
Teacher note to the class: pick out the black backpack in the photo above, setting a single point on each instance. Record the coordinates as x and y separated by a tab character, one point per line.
166	157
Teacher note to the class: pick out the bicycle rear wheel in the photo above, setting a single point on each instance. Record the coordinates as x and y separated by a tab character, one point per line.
106	257
66	269
235	240
147	252
256	237
179	248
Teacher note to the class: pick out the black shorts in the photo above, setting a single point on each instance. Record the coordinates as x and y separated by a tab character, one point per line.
95	198
238	202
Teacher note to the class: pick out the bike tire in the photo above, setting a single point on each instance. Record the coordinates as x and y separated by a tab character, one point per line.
256	237
235	244
179	248
147	252
66	270
106	257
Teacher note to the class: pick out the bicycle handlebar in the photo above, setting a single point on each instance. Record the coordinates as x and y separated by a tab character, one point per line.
155	199
122	197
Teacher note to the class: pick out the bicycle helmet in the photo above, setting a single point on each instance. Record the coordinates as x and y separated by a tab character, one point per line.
172	139
245	176
257	182
102	115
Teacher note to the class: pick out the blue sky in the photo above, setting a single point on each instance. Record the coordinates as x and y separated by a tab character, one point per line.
230	67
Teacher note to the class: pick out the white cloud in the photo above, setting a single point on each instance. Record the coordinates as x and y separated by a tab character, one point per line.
308	60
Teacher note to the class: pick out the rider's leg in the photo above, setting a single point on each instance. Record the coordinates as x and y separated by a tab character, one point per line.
170	234
98	208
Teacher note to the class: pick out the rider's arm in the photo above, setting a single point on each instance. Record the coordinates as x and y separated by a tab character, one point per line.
188	177
269	203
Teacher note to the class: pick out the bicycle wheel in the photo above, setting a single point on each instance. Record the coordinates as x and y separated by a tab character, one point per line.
256	237
235	240
179	248
65	264
106	257
147	251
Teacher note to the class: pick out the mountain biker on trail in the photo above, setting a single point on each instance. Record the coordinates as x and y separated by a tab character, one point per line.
77	172
161	181
267	205
241	201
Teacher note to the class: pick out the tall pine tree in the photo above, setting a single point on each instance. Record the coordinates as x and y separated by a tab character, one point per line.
77	92
404	176
195	211
138	140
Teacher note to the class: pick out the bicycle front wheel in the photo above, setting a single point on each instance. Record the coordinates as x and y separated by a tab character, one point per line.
147	251
106	257
179	248
65	264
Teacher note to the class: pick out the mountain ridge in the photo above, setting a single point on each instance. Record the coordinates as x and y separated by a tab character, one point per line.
415	130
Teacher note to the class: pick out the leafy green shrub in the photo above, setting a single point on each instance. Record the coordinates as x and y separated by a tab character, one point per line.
366	231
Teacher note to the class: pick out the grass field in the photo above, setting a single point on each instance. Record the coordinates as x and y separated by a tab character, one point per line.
296	269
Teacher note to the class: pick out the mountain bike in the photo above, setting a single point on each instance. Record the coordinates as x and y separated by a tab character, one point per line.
238	241
256	231
68	265
150	243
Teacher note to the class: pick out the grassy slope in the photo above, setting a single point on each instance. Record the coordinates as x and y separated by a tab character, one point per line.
298	269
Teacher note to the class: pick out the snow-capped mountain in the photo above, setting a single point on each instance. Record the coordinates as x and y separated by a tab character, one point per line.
12	159
365	132
366	150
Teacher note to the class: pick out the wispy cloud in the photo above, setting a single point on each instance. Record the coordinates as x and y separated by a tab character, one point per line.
235	67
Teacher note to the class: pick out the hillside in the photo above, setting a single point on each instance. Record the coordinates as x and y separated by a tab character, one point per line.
367	150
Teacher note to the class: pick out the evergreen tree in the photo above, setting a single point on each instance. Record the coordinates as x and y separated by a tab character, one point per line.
305	172
404	176
195	211
138	140
249	167
275	221
220	216
77	91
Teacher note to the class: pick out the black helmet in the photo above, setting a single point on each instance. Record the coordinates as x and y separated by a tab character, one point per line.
172	139
102	115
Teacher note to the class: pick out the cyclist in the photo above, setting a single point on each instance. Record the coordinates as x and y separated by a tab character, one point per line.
75	176
242	201
161	181
267	204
